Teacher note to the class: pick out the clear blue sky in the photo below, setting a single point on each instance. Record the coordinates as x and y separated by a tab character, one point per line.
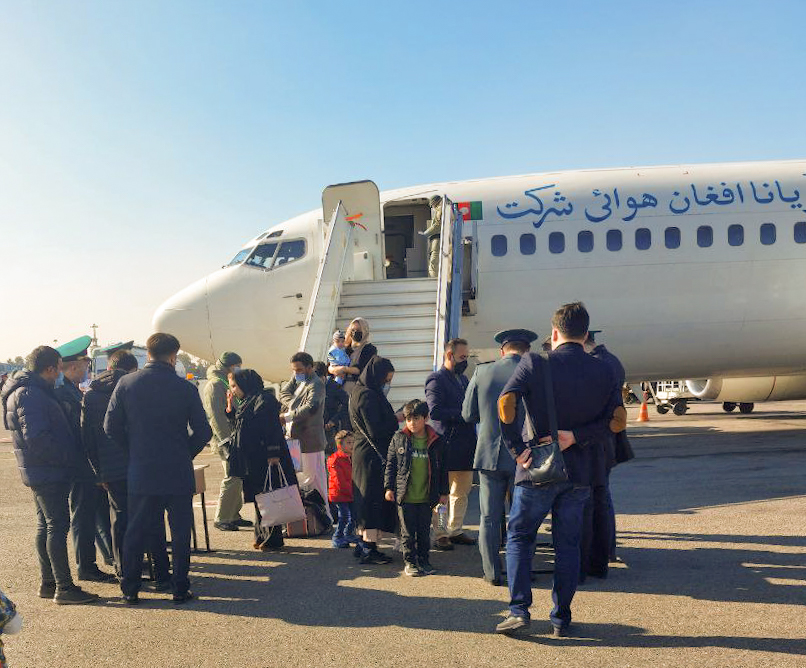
142	143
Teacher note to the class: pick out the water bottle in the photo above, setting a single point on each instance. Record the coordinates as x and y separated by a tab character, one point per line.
442	511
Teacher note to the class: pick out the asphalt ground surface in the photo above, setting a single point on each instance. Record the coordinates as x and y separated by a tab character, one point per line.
711	518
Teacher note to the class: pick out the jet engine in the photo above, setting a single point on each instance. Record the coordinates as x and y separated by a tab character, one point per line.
749	390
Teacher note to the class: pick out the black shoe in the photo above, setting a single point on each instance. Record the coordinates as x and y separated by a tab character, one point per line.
130	599
559	631
162	585
179	599
47	590
462	539
443	544
497	582
241	522
73	596
512	624
375	557
358	551
225	526
97	576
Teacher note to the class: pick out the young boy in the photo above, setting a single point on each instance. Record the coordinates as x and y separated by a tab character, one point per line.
337	358
340	488
417	478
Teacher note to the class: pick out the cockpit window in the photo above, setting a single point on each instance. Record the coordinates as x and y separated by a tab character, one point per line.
240	257
290	251
263	256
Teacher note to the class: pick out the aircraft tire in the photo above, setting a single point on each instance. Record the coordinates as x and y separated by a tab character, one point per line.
728	406
680	408
746	408
662	408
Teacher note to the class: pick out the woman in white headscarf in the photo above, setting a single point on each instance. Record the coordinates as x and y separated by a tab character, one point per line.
360	350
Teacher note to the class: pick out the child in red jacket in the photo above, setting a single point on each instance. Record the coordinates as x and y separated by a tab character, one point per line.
340	488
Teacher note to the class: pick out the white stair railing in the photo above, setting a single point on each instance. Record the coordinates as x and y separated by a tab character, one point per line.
449	281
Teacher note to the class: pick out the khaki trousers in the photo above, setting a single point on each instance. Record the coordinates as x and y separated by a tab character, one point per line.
230	497
460	483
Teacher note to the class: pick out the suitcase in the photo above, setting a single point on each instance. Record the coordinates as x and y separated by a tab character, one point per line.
308	528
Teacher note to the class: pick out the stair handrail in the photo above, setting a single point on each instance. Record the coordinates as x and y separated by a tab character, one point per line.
449	281
320	320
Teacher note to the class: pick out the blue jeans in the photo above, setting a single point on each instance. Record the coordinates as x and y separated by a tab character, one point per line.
53	523
344	523
530	505
493	486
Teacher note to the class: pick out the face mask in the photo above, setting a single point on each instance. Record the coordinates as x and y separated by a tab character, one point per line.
59	380
460	367
235	369
300	377
357	336
385	389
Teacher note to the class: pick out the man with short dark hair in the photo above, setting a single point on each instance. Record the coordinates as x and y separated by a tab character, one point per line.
303	400
492	460
214	396
149	415
445	393
46	451
582	388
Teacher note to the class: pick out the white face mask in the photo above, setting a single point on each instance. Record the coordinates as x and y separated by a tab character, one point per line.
235	369
385	389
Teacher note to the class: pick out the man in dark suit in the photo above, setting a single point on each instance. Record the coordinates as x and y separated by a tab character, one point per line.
494	463
583	391
149	414
445	393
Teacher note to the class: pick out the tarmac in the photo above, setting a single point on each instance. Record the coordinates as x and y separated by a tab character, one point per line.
711	522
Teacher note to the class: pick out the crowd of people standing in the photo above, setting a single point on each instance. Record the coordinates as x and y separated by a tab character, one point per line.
134	436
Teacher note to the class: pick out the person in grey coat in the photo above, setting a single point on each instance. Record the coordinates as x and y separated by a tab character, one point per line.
494	462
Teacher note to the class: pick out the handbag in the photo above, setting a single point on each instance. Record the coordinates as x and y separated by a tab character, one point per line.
281	505
548	465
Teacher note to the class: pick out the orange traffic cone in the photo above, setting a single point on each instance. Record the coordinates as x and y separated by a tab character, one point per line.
643	414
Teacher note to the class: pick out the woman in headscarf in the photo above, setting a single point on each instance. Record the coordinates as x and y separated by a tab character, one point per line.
374	424
258	445
360	350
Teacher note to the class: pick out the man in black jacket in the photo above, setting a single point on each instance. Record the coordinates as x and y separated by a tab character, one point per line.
583	393
46	452
336	415
149	414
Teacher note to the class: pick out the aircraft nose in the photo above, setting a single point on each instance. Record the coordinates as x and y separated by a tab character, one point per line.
185	316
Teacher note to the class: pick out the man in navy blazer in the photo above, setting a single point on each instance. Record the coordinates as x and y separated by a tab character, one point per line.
493	461
445	393
149	414
583	396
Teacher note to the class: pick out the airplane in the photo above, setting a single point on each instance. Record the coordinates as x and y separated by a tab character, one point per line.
689	271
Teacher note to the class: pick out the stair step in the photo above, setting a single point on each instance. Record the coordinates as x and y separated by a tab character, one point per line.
395	350
409	378
420	363
390	286
398	396
370	312
395	322
356	302
401	335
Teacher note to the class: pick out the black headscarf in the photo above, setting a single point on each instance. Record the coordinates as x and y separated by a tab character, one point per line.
251	385
374	374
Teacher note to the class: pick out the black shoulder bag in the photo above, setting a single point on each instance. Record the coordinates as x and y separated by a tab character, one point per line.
548	466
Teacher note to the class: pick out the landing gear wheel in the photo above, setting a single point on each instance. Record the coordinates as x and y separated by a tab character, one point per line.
680	408
746	408
728	406
662	408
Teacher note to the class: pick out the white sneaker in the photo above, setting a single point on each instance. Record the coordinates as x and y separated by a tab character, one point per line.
411	570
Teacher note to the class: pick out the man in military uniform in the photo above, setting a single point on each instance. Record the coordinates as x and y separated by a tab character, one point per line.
85	494
494	463
433	235
583	391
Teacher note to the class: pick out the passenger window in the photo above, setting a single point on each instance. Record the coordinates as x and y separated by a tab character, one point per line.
767	234
556	242
672	237
290	251
528	244
643	238
800	232
614	240
498	245
705	236
240	257
263	256
585	241
735	235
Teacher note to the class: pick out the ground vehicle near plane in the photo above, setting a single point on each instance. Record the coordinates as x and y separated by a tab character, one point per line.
735	232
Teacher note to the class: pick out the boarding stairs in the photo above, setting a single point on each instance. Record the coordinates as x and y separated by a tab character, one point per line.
410	319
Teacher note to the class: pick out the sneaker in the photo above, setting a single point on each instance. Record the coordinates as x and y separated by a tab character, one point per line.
462	539
375	557
443	544
412	570
358	550
225	526
184	597
241	522
73	596
97	576
427	569
130	599
47	590
512	624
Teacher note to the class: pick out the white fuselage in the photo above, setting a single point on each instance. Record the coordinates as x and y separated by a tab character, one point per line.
669	304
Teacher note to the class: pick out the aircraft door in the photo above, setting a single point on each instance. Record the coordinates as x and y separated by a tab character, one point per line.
362	207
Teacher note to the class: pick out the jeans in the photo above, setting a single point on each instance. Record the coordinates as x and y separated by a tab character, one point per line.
493	487
83	506
530	505
118	514
146	530
415	530
53	523
344	524
230	496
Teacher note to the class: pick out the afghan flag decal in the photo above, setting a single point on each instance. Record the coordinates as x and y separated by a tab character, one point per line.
470	210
